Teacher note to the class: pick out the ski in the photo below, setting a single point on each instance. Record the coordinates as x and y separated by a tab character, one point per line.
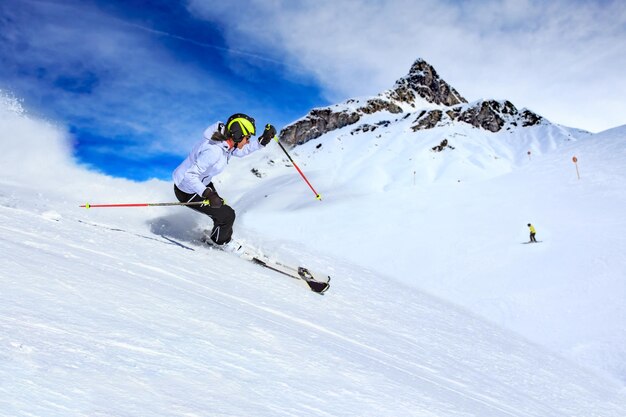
301	273
318	283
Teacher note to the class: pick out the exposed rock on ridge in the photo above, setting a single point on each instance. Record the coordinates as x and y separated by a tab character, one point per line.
422	81
490	115
315	124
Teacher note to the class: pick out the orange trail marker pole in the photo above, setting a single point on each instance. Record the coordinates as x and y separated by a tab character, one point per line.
575	160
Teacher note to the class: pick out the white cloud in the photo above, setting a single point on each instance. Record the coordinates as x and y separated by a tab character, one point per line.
104	69
563	59
31	151
38	154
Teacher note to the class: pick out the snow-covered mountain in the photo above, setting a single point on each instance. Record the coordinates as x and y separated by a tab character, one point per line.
436	307
481	139
435	193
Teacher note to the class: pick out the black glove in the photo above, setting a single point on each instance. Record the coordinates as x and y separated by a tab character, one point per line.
268	134
215	201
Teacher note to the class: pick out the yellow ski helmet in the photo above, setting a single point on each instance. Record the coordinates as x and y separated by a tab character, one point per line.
240	125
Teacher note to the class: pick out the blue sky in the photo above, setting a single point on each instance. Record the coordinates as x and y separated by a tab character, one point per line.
136	82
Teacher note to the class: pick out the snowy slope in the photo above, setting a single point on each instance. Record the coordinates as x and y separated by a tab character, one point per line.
121	313
103	321
452	223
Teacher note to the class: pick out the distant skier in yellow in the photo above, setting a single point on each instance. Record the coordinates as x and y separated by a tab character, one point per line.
532	233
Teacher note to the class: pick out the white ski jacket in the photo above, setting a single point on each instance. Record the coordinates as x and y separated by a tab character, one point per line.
207	159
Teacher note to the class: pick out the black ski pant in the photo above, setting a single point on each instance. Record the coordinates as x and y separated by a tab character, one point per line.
223	217
532	237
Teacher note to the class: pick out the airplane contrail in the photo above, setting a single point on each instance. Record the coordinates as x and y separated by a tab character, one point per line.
173	36
207	45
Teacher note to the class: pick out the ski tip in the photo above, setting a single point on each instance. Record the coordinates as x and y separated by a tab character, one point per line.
318	287
307	275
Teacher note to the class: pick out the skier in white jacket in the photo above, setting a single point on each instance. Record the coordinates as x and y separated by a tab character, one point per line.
209	157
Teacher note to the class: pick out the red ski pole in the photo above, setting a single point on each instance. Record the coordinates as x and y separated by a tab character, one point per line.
193	203
319	197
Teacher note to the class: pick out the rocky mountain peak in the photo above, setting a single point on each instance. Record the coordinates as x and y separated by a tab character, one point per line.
416	92
423	81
